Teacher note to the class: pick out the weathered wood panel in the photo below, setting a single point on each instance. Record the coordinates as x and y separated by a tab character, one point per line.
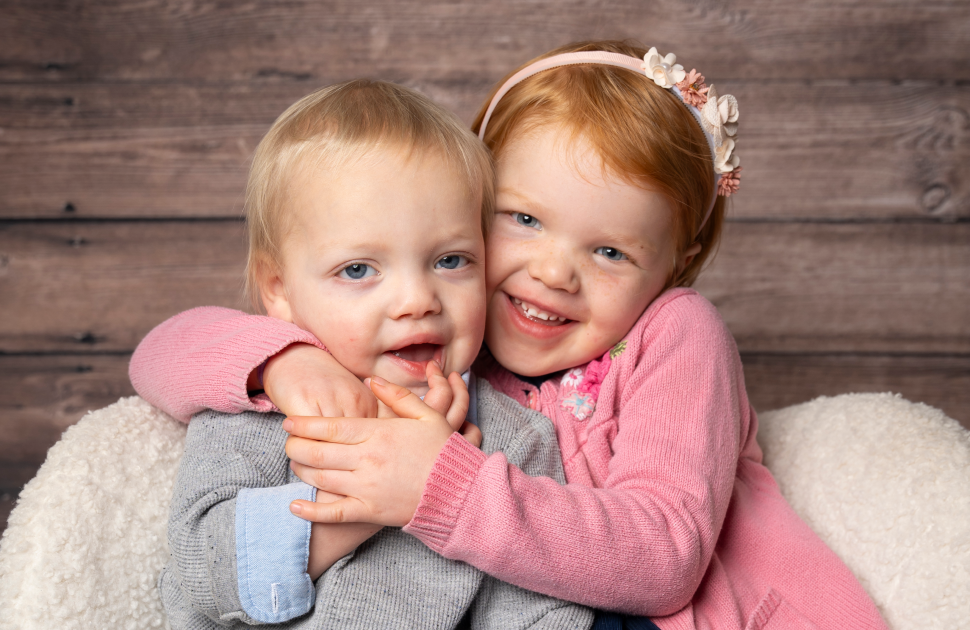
838	150
102	286
844	288
45	395
458	41
780	287
779	380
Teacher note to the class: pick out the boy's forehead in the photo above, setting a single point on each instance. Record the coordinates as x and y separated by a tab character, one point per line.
386	175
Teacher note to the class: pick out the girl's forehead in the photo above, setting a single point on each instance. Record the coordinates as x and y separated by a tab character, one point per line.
561	149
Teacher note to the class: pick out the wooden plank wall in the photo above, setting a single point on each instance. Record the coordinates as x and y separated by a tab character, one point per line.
126	128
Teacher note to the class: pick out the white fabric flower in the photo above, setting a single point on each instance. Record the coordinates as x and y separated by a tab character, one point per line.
720	116
725	159
665	71
573	377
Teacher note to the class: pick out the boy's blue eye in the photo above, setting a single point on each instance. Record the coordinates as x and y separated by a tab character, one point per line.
527	220
610	253
451	261
356	271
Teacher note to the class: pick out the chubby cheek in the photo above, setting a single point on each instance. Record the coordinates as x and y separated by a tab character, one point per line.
615	309
349	339
500	261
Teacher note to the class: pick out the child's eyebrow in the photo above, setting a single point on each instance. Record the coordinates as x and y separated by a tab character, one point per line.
525	200
627	243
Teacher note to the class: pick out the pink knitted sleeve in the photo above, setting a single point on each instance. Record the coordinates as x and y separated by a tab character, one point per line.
201	359
641	542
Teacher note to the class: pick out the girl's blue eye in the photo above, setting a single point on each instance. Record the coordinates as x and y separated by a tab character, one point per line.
451	261
610	253
356	271
527	220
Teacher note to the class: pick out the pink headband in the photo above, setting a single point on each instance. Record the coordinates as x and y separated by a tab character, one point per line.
717	118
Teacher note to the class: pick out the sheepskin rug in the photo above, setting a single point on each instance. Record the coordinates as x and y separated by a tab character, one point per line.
885	482
86	540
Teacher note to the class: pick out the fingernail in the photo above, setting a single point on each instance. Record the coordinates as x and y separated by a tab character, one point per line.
296	508
377	380
367	382
287	425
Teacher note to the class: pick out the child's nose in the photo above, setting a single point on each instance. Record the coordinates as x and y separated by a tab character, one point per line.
416	298
555	269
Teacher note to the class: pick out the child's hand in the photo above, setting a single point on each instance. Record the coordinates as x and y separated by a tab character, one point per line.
449	397
304	380
379	465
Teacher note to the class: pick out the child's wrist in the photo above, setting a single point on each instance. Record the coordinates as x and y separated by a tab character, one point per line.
254	382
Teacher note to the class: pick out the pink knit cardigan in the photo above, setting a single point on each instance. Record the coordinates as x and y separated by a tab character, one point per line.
668	511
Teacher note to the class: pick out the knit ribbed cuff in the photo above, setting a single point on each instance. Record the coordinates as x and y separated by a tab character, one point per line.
452	475
256	346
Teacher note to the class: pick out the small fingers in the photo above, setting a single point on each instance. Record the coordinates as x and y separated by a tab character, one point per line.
402	401
321	455
383	411
336	430
345	510
358	402
440	394
458	409
472	433
336	482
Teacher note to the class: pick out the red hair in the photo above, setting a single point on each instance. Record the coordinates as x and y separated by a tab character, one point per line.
643	133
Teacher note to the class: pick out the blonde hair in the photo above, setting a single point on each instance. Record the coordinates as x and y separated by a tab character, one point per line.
337	125
643	133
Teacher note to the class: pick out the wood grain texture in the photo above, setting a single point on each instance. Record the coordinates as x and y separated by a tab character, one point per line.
103	286
844	288
457	41
780	287
824	150
779	380
44	396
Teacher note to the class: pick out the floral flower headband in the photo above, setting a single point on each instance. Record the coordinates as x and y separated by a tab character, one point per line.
717	116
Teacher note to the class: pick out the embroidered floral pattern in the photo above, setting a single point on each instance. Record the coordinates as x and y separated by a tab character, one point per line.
618	349
581	387
580	405
572	378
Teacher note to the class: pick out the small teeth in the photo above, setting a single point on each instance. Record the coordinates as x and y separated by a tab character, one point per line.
536	313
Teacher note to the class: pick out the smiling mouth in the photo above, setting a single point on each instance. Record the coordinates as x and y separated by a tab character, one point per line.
536	314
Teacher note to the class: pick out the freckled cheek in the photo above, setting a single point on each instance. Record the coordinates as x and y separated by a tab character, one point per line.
502	257
615	307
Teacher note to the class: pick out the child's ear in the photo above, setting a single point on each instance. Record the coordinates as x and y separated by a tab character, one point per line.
272	290
688	256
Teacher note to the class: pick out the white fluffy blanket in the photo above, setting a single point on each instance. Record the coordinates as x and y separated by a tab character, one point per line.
885	482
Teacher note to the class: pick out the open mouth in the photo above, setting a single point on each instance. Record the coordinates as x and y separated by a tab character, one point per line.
414	358
535	314
417	352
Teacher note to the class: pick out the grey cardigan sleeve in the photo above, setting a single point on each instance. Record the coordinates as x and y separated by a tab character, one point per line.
234	473
528	440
